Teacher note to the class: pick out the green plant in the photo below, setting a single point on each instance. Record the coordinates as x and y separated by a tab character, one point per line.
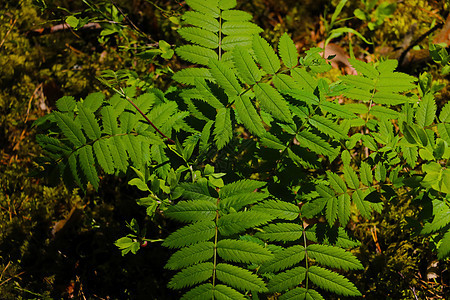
375	16
298	160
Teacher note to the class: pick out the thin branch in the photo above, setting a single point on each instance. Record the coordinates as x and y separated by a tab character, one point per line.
7	33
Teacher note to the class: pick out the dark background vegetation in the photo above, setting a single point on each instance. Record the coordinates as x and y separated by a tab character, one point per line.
56	244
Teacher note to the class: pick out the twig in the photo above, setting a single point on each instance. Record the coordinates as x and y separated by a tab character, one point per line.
145	117
8	32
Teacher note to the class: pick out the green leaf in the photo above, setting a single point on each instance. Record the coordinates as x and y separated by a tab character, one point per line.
389	98
364	68
440	220
284	82
444	248
200	37
188	75
332	281
344	209
201	292
225	77
192	211
191	276
272	142
240	187
306	81
336	183
191	234
359	82
70	129
395	82
426	112
223	292
245	65
209	8
242	199
66	103
240	28
301	294
239	278
231	41
197	191
87	163
333	257
358	94
196	54
236	15
444	115
331	211
242	252
227	4
444	131
190	256
314	143
265	55
337	109
363	206
223	132
328	127
272	102
93	101
201	20
248	115
366	174
382	112
284	259
287	280
278	209
287	51
281	232
240	221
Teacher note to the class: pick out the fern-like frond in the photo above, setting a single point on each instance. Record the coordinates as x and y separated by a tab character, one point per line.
301	294
288	51
284	259
337	109
278	209
192	211
333	257
331	211
332	281
191	276
304	79
281	232
242	251
236	15
190	255
239	278
388	98
366	174
359	82
272	102
191	234
287	280
231	41
336	182
265	55
238	222
395	82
